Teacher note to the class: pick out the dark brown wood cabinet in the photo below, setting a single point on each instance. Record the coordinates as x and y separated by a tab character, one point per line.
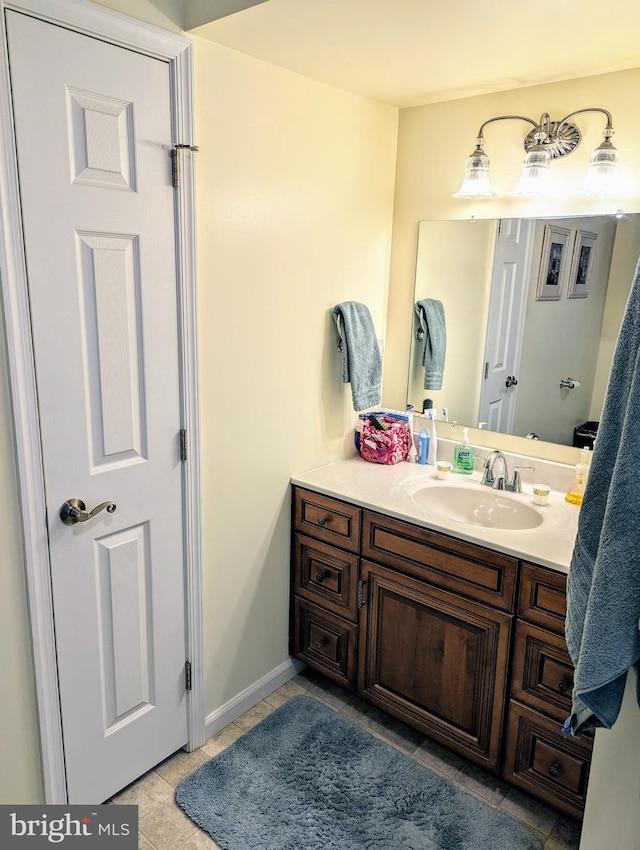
538	758
435	660
325	566
461	642
325	642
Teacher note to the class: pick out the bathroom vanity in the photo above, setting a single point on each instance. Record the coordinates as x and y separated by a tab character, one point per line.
454	628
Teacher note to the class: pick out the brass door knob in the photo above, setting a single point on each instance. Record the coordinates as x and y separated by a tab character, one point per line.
75	510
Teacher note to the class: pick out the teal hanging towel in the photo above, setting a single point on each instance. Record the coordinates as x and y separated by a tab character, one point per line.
433	332
361	358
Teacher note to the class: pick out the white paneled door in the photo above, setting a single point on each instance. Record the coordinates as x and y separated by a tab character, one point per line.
505	325
93	125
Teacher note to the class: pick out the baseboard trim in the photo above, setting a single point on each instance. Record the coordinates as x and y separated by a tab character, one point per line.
246	699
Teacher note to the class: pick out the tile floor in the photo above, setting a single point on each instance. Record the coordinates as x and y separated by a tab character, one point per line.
163	826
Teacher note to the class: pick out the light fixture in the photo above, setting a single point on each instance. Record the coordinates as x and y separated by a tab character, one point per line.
547	140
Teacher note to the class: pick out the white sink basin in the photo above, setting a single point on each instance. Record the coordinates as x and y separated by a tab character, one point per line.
477	506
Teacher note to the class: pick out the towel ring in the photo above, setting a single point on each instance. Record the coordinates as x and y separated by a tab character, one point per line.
419	334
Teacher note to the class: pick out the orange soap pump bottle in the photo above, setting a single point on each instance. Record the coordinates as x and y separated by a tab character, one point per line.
576	491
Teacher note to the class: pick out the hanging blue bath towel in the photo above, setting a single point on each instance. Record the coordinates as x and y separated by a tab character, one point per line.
430	314
361	358
603	587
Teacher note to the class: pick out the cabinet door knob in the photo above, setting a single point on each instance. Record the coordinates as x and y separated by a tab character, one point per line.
320	644
554	770
563	686
322	576
322	521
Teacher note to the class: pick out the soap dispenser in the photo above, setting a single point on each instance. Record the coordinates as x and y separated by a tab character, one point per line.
463	455
576	491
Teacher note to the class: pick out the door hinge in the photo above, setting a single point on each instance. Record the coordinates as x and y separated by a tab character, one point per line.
187	675
183	445
486	370
361	600
175	162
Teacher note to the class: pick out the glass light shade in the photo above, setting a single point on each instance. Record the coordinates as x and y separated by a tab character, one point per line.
534	180
476	177
600	180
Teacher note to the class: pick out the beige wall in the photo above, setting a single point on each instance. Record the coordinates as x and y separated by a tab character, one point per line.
295	194
612	814
433	143
295	197
454	265
625	257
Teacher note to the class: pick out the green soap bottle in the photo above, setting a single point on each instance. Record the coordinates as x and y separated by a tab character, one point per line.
463	455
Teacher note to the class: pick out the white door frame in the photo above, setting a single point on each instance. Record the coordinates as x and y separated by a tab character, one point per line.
92	20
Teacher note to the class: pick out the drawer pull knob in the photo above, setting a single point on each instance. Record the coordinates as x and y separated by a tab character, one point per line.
554	770
320	644
322	521
563	686
322	576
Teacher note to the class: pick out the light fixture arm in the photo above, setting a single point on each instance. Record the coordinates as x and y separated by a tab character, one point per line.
505	118
608	129
547	140
559	137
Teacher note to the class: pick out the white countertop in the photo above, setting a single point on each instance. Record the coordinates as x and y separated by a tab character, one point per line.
389	489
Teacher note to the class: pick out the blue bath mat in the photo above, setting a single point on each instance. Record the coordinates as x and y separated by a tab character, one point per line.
307	779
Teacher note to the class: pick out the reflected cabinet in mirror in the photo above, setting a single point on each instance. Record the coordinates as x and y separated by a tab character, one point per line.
532	312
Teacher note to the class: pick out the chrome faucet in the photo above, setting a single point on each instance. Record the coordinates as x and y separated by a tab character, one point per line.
502	482
489	478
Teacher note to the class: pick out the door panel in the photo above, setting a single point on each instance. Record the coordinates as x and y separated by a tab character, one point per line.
110	298
93	127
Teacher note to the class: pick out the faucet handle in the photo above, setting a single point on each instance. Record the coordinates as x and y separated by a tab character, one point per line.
517	481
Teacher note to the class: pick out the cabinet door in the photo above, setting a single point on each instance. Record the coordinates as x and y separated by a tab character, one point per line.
542	671
544	763
327	519
543	597
325	575
435	660
325	642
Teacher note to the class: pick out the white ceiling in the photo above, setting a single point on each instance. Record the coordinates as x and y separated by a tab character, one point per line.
411	52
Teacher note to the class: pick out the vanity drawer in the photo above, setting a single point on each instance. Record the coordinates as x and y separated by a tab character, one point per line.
449	563
325	642
326	575
543	597
542	671
544	763
327	519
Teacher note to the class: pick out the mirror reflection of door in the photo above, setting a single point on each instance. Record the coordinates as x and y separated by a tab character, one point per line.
569	336
505	324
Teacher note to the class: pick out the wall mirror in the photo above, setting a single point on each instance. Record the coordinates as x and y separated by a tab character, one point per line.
532	310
